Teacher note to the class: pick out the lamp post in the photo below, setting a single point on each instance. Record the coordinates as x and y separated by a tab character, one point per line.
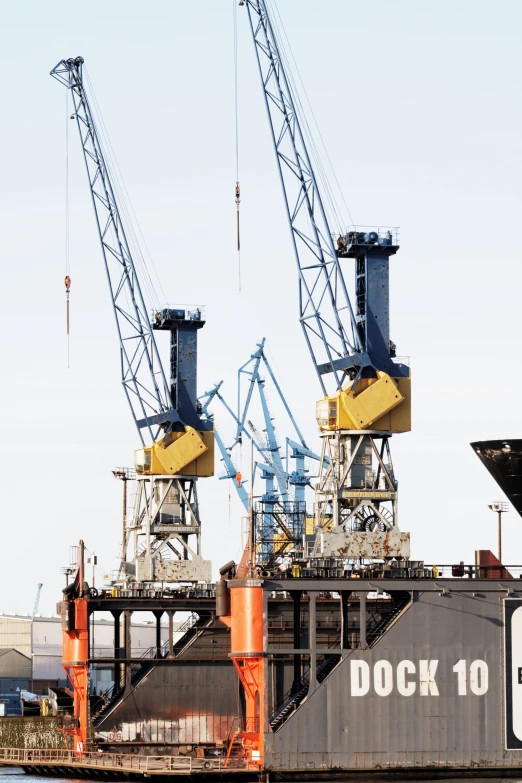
124	474
500	507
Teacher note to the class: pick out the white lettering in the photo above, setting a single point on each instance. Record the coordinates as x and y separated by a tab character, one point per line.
427	670
359	678
460	668
405	688
383	678
478	677
471	677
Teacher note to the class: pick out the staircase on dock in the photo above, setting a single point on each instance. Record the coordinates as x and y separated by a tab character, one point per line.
189	632
377	624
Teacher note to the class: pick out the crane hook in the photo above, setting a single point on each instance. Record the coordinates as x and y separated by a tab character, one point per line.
67	282
238	201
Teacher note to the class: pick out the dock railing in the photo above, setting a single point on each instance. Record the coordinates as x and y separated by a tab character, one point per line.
115	761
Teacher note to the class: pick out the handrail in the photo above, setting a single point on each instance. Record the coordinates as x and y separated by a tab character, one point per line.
305	680
117	761
188	639
149	655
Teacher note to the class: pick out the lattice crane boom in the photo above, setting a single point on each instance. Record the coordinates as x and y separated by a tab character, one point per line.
142	374
272	458
37	599
346	345
325	310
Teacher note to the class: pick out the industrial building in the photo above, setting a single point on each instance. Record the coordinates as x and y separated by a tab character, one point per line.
31	650
14	664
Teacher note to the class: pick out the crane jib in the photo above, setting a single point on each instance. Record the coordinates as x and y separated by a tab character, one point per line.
173	435
342	338
142	373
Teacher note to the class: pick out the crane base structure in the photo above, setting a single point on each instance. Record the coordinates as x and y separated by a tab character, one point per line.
166	533
356	514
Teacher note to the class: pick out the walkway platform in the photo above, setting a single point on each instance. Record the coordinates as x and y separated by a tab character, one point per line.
55	762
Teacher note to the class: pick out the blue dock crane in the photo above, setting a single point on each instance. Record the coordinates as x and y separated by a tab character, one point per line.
282	485
231	471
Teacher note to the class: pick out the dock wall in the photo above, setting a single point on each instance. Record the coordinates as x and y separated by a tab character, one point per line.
30	732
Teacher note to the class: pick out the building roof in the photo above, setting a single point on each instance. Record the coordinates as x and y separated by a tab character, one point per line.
28	618
5	650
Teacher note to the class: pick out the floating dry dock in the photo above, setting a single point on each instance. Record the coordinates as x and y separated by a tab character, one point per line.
395	670
434	682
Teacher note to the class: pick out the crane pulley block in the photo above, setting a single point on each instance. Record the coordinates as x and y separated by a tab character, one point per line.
382	403
178	453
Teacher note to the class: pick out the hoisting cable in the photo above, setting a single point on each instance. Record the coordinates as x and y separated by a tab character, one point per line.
67	280
238	190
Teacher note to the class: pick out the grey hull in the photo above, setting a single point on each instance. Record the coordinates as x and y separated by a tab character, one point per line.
441	723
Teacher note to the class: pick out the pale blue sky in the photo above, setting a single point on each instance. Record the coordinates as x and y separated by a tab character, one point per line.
419	105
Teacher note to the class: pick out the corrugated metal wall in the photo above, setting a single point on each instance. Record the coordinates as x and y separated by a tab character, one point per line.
186	702
335	728
16	633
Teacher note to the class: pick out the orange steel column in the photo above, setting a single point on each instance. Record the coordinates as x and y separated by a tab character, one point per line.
247	652
75	657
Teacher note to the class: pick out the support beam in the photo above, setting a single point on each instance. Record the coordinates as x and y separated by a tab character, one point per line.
362	622
345	594
158	615
171	634
296	597
312	640
117	647
127	646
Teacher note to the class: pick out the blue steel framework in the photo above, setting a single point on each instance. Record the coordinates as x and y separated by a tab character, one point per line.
273	470
231	470
142	374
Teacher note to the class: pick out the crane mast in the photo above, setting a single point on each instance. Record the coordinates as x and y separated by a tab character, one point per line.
366	392
177	445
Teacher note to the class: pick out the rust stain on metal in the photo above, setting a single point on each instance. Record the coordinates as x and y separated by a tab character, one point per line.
390	543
